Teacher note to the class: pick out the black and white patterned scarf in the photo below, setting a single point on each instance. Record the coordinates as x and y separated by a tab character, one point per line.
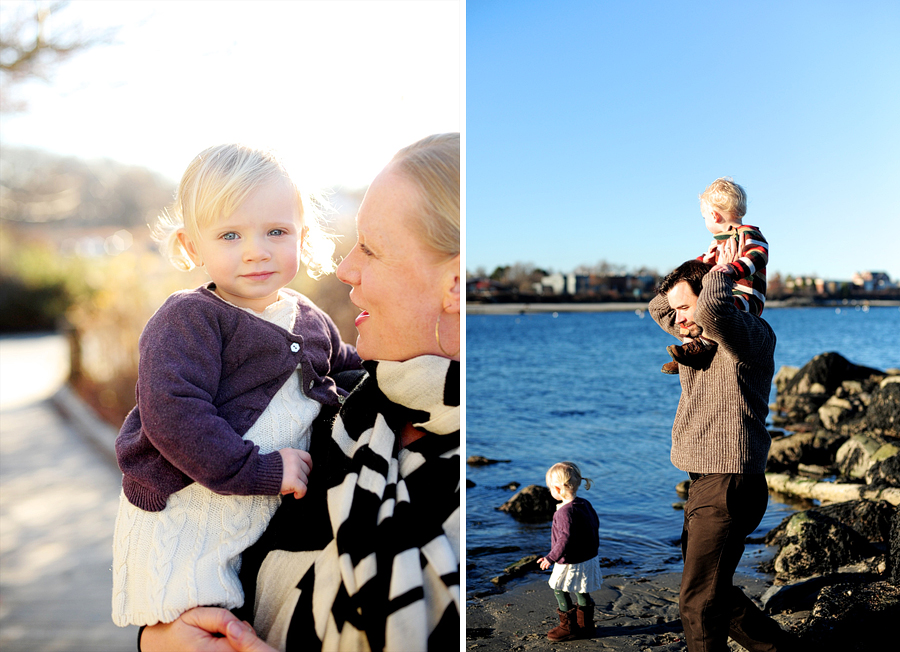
369	559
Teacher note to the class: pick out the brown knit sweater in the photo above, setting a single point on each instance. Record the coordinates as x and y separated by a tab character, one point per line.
720	425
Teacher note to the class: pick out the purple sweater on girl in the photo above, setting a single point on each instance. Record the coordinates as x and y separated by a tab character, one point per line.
575	534
207	372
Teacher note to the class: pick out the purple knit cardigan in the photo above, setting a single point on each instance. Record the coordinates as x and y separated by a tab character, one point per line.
575	533
207	371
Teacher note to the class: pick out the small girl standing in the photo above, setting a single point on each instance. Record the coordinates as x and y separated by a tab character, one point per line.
574	543
230	379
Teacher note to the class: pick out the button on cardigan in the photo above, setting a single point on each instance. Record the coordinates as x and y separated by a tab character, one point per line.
207	371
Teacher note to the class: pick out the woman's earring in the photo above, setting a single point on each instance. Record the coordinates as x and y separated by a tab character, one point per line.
437	336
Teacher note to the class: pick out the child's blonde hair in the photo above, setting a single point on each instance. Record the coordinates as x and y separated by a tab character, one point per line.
215	185
568	475
726	196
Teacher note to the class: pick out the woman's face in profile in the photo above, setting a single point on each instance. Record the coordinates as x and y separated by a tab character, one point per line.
396	279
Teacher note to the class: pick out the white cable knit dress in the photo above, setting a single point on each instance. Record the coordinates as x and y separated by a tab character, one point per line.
189	554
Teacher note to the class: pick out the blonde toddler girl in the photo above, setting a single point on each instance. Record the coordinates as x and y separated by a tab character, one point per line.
574	543
231	376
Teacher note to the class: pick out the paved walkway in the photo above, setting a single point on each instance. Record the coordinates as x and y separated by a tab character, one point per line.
58	498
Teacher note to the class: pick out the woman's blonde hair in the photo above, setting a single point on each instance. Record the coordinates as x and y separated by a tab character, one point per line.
433	165
568	475
215	185
726	196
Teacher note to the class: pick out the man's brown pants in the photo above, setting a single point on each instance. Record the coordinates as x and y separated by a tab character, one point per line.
721	511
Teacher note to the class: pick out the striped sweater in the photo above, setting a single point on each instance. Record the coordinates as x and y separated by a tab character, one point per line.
749	270
720	424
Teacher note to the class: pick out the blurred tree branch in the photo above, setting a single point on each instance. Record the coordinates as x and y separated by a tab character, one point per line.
31	46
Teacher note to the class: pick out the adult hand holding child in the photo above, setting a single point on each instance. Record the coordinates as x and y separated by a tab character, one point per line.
205	629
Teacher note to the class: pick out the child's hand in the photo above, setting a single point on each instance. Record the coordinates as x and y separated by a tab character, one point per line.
731	251
544	564
725	269
710	255
295	476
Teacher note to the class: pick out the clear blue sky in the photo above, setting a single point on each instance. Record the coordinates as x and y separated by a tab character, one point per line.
593	126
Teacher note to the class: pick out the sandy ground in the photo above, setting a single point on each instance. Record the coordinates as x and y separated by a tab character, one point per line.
632	614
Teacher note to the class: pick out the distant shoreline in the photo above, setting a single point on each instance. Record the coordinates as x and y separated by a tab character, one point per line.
538	308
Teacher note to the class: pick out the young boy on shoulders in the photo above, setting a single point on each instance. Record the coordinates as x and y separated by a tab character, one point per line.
723	206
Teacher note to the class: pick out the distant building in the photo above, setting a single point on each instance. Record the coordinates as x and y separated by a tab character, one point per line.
484	287
557	283
870	281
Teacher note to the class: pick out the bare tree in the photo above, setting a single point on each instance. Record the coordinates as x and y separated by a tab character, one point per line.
643	270
30	49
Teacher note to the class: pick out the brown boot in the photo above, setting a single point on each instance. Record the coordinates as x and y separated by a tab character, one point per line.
568	626
693	354
670	368
585	619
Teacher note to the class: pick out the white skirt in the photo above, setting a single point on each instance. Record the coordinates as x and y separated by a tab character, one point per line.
583	577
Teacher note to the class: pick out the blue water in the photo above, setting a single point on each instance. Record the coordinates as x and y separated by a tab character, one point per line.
586	387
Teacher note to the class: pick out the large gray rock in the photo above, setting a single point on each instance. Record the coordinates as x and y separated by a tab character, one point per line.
813	543
856	455
825	446
886	467
854	618
531	504
801	595
825	373
786	453
883	413
870	518
784	376
795	408
809	448
834	411
802	394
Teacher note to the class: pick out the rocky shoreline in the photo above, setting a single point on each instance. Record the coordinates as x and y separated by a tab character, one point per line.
835	575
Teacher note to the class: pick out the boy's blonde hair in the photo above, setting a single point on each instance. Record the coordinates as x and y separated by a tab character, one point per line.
568	475
726	196
433	165
215	185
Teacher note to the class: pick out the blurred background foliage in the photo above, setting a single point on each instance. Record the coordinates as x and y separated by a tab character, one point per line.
76	256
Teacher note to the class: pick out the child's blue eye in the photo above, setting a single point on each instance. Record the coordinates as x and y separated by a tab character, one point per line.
231	235
277	232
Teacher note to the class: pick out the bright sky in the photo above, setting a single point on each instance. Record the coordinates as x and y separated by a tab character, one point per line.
593	126
336	87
